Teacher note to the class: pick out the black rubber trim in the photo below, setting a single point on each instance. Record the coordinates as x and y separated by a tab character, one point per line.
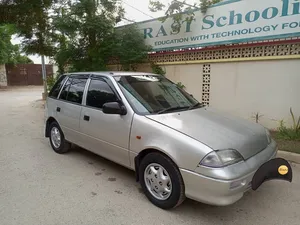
269	171
137	164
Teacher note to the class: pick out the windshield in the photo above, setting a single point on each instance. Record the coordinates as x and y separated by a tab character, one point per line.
151	94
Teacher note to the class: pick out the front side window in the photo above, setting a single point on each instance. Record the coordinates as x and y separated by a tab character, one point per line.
151	94
99	93
76	90
57	86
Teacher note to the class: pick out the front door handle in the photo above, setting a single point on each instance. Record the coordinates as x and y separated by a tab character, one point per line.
87	118
58	109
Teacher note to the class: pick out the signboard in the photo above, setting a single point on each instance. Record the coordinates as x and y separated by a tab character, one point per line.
232	21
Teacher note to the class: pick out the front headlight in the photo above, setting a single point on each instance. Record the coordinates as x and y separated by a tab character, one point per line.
221	158
268	136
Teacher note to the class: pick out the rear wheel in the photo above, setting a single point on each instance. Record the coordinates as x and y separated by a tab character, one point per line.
57	139
161	181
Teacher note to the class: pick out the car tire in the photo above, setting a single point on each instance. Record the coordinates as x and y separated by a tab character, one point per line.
153	187
57	139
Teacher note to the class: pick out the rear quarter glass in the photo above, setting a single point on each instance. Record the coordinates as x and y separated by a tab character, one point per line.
57	86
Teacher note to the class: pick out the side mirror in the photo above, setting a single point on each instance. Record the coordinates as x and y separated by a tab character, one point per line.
114	108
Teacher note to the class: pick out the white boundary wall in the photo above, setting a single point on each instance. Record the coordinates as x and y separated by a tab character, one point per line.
269	88
3	78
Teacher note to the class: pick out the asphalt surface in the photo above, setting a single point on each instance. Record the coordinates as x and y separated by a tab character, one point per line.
39	186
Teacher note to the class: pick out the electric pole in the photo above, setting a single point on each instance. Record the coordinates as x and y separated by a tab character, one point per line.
44	77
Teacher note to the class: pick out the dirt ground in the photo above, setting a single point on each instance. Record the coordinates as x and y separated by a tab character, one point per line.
40	187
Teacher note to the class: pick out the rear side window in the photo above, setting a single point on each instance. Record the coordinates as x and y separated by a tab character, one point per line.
76	90
57	86
99	93
64	92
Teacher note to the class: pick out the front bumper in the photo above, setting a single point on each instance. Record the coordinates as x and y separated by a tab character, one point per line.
213	191
216	191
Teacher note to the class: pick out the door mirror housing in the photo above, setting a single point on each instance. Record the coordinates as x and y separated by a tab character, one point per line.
114	108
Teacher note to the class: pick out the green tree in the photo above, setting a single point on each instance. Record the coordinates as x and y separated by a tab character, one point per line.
88	40
79	35
23	59
10	53
129	47
18	58
85	28
7	49
32	21
177	6
180	11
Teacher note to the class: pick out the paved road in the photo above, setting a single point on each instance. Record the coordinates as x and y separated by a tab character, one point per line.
40	187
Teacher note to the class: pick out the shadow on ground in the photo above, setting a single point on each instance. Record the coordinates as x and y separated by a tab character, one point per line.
189	207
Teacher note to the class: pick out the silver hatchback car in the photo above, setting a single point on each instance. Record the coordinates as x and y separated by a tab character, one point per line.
177	146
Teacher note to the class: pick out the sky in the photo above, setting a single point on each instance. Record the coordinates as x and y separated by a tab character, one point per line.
142	5
136	10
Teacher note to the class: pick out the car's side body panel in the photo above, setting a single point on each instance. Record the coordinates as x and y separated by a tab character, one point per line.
50	108
68	119
106	135
186	152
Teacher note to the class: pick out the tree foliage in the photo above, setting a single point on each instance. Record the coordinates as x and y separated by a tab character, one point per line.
10	53
180	11
6	47
88	39
157	69
129	47
85	28
79	35
18	58
32	20
177	6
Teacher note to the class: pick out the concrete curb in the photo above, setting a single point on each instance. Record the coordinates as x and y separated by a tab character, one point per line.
289	156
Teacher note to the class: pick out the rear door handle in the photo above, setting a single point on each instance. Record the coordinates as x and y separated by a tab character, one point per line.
58	109
87	118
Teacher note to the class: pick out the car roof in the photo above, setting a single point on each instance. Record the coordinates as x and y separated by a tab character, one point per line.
112	73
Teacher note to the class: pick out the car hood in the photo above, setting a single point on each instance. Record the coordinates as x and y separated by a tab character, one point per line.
217	130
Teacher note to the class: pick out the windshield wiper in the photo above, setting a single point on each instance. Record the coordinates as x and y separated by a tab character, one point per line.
172	108
198	104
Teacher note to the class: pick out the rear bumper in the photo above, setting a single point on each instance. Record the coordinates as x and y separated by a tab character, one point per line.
218	191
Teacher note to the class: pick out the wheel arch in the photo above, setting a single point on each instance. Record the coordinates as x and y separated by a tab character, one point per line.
49	121
138	159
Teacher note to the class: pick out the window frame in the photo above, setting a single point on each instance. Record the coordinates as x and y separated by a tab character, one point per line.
58	97
110	85
64	79
72	76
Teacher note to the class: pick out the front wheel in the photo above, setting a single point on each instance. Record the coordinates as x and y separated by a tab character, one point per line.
161	181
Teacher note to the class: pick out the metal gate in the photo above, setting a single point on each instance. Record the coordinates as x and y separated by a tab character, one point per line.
26	74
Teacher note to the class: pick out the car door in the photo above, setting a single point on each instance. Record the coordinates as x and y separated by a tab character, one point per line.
52	101
106	134
69	106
